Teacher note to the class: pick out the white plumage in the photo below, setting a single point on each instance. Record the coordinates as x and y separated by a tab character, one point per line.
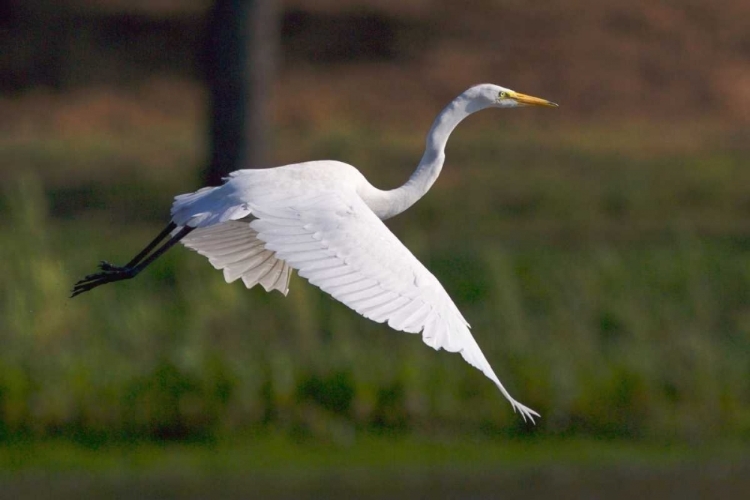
324	219
234	247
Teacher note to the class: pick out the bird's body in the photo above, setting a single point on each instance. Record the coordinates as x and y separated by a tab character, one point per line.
324	219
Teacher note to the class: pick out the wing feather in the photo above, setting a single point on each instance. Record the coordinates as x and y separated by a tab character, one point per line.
337	243
233	247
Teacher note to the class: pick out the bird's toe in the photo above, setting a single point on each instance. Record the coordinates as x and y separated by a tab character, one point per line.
108	267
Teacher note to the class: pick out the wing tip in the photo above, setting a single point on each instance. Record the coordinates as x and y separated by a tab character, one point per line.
526	413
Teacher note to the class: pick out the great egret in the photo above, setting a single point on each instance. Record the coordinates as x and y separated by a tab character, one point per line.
324	219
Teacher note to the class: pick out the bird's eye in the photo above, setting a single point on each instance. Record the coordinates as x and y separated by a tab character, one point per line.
502	95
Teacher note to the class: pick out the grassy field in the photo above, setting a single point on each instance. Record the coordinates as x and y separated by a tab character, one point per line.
601	252
375	467
604	271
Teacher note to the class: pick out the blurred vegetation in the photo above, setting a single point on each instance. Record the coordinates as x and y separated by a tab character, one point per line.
601	252
607	285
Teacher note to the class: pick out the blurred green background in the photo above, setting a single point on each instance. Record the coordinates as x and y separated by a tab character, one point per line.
601	252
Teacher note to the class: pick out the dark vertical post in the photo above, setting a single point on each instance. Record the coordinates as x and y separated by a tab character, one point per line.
241	49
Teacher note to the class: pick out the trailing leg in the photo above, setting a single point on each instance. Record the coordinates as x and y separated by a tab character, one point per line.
110	273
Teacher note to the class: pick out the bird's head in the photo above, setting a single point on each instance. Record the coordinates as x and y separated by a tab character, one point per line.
488	95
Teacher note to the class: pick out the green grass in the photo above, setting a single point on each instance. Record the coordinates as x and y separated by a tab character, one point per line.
276	452
277	466
609	291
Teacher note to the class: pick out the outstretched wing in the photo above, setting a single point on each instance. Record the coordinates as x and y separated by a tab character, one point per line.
233	246
337	243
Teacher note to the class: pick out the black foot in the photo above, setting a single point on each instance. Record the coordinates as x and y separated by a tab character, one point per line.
109	274
106	266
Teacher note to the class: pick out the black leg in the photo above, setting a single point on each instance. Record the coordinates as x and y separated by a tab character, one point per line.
151	245
106	266
110	273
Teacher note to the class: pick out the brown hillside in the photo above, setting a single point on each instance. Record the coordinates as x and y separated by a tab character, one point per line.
666	60
640	59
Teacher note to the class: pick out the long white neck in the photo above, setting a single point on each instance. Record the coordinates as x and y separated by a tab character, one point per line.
386	204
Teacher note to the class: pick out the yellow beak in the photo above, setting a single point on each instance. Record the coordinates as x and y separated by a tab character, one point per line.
532	101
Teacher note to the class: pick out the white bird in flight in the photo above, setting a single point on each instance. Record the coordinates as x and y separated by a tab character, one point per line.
324	219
